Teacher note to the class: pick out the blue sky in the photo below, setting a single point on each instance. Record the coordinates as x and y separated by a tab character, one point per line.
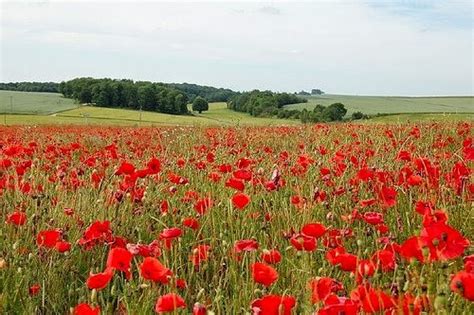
346	47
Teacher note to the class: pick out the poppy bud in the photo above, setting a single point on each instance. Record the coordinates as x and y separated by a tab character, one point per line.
440	303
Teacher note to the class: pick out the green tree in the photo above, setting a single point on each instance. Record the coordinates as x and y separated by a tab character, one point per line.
304	116
358	115
200	104
334	112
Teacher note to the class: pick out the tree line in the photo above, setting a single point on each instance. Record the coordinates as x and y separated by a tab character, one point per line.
144	95
262	103
209	93
320	113
51	87
269	104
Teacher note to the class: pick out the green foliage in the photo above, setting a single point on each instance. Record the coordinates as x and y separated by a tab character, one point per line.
200	105
358	115
210	93
303	93
148	96
262	103
320	113
334	112
316	92
50	87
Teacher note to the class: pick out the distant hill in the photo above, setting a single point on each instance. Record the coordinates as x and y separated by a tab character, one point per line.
373	105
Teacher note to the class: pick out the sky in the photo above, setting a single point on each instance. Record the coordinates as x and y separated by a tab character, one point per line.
342	47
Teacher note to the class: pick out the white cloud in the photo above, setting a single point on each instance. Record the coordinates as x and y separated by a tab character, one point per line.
343	47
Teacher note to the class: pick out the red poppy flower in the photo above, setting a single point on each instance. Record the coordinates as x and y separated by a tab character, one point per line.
34	289
447	241
176	179
152	269
384	259
120	259
365	174
191	223
240	200
68	211
200	254
336	305
339	257
153	166
323	287
150	250
98	232
214	177
272	256
411	249
62	246
414	180
303	242
199	309
169	303
315	230
424	207
202	205
225	168
125	168
245	246
372	300
171	233
99	281
463	284
243	162
469	263
273	305
367	202
404	156
365	268
86	309
388	196
373	218
17	218
264	274
235	183
48	238
243	174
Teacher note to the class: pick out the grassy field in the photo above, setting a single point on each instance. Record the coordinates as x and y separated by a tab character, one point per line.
218	114
419	117
390	105
52	108
33	103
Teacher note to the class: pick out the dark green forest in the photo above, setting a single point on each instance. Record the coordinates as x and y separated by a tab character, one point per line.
173	98
209	93
51	87
169	98
262	103
148	96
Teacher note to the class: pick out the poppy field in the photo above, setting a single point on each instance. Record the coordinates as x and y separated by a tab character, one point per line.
322	219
